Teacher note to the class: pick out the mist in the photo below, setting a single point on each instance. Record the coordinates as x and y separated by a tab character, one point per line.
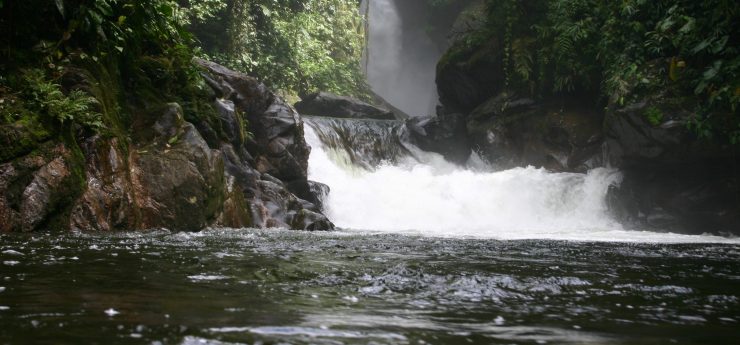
401	57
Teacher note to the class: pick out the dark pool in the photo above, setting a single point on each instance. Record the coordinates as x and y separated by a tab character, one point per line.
283	287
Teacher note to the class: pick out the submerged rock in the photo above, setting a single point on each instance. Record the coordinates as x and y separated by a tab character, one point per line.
331	105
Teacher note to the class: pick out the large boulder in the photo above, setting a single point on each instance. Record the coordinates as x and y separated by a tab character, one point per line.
366	143
169	179
508	131
36	190
171	173
178	180
445	134
108	202
331	105
672	179
469	75
276	151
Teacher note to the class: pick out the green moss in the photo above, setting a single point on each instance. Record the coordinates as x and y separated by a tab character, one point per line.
21	130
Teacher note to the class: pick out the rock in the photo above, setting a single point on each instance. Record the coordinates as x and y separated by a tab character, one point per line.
508	131
108	202
39	196
277	207
366	143
632	140
308	220
232	125
179	184
271	167
672	180
445	134
470	19
164	174
276	126
36	190
236	212
469	75
330	105
320	192
170	122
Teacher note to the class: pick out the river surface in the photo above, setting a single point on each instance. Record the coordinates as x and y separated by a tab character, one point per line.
354	287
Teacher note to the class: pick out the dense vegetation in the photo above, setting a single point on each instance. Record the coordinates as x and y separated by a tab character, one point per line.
613	52
617	52
298	46
75	67
92	66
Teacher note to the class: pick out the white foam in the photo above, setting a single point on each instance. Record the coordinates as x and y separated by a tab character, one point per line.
204	277
437	199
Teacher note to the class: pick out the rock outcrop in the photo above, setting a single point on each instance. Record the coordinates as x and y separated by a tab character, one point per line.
249	171
331	105
510	131
672	180
445	134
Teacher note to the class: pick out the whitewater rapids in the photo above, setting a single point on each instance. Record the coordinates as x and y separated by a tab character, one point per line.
428	196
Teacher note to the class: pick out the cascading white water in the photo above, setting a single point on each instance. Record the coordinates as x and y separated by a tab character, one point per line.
433	197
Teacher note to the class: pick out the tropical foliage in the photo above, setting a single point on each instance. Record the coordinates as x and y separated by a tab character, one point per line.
127	51
619	51
298	46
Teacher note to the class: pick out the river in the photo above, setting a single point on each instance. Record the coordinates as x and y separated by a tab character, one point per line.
429	253
358	287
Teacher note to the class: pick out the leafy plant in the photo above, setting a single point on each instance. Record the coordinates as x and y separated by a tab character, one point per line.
654	115
299	46
618	51
75	107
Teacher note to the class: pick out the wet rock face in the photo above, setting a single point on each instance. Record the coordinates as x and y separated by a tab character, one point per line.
445	134
672	180
168	176
171	180
468	76
277	129
36	189
509	131
331	105
108	202
179	182
271	167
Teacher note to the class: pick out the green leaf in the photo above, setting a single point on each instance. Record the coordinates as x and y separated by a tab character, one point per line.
703	44
167	10
266	10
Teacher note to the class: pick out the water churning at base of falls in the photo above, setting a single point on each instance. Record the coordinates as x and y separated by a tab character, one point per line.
419	192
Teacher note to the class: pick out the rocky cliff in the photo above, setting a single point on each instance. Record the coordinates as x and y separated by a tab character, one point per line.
673	180
166	172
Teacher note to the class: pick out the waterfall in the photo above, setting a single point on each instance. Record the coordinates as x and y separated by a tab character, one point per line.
401	59
418	191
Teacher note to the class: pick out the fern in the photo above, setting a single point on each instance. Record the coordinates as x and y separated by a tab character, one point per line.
75	107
